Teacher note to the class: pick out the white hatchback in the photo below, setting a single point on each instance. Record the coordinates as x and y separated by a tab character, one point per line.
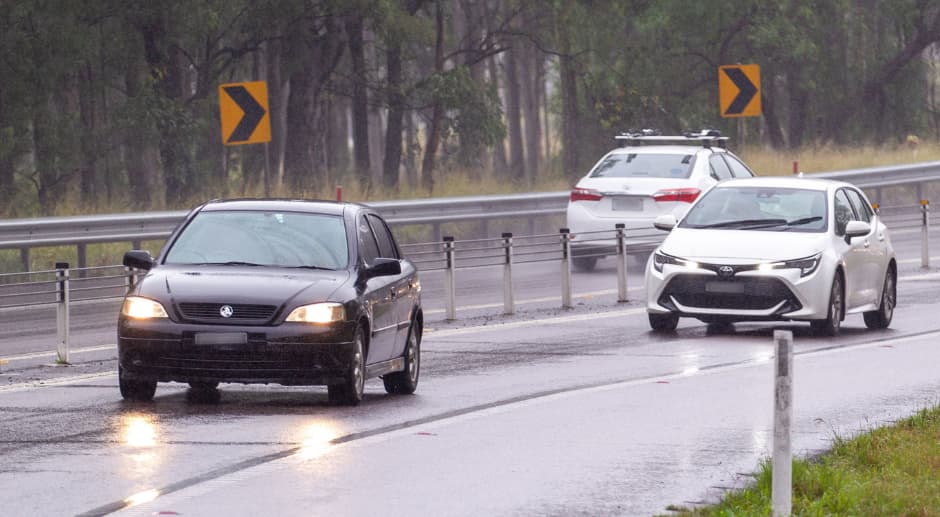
650	176
774	249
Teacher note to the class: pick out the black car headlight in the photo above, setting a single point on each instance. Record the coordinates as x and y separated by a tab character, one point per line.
318	313
660	259
140	308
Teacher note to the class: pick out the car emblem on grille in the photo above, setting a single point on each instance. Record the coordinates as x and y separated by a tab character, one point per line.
726	271
226	311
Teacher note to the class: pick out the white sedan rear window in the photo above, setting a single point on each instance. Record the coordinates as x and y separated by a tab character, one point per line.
644	165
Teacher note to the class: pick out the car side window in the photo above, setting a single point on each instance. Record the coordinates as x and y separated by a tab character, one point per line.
842	211
368	249
719	168
386	242
862	208
738	169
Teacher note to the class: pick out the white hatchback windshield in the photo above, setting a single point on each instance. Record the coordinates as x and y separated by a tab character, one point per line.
759	208
282	239
644	165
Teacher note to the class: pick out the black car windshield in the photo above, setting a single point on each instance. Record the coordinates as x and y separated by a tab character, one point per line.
644	165
256	238
759	208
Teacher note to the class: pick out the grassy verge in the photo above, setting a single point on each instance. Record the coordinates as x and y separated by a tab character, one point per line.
891	471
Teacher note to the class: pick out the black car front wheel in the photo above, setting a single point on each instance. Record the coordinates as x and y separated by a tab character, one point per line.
136	390
349	392
405	382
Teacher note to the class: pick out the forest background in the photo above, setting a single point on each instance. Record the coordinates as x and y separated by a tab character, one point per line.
112	105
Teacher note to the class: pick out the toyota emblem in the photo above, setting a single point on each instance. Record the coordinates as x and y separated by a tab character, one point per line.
226	311
726	271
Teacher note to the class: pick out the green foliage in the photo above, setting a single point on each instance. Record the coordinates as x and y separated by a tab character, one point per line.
893	470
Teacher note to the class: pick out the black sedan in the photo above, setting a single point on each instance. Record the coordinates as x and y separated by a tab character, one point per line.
270	291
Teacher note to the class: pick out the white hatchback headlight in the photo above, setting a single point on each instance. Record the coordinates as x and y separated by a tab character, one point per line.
320	313
142	308
807	265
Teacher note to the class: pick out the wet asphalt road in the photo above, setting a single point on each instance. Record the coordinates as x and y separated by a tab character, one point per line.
550	412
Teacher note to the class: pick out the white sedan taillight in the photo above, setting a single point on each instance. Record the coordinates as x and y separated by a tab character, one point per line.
681	195
585	194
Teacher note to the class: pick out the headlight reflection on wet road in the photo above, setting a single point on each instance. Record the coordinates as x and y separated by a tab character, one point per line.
138	431
316	439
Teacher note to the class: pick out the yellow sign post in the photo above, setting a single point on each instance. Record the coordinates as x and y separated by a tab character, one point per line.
739	90
244	112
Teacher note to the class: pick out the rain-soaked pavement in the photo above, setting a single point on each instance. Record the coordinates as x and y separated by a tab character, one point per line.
578	412
549	412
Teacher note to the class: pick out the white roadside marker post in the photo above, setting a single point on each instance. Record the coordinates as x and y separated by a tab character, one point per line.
782	476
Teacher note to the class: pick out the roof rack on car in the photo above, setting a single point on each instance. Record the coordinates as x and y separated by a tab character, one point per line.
705	137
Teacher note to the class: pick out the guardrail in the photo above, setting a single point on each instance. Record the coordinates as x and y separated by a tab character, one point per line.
24	234
59	287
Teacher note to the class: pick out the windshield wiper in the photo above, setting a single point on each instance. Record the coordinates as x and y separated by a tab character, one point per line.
805	220
233	263
780	222
744	222
312	267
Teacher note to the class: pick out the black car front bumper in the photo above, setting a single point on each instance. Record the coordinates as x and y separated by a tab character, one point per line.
290	354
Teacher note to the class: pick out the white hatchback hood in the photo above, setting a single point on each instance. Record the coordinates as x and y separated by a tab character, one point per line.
742	246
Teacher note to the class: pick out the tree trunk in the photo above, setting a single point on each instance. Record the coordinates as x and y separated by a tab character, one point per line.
530	102
570	115
437	116
471	153
88	114
360	99
513	113
142	156
500	163
396	110
338	135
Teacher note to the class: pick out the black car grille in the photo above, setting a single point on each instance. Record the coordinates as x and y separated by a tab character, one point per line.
242	313
749	293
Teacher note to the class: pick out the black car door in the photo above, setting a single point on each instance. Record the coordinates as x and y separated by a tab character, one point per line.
402	286
378	297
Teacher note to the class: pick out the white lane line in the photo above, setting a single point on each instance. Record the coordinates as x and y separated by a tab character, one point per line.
582	296
914	278
25	386
40	355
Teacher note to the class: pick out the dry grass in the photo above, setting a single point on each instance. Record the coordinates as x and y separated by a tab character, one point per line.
769	162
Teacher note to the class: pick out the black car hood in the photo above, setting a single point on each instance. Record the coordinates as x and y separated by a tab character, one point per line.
240	284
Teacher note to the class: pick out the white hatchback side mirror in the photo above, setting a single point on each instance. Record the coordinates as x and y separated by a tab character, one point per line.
856	229
665	222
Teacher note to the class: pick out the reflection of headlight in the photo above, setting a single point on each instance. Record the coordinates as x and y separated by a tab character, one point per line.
807	266
660	258
318	313
142	308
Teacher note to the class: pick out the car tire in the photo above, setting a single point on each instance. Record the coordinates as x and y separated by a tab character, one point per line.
831	325
584	263
664	322
405	382
135	390
349	392
204	385
881	318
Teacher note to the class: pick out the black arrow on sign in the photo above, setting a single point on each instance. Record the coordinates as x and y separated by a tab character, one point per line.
746	90
253	113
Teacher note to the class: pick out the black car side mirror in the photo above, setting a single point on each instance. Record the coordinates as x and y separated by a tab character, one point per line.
384	267
138	259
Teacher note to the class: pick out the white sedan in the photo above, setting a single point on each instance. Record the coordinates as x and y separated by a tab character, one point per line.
649	176
774	249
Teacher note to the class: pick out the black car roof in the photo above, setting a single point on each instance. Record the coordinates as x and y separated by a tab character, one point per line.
281	205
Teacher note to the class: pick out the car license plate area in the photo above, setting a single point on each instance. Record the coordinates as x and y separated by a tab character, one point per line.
220	338
627	203
724	287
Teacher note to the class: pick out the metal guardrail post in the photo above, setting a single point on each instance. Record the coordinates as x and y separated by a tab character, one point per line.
509	305
82	253
450	285
62	312
621	263
781	490
24	259
130	278
925	234
565	268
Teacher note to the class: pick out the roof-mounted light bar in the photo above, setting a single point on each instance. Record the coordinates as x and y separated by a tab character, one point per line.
705	137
